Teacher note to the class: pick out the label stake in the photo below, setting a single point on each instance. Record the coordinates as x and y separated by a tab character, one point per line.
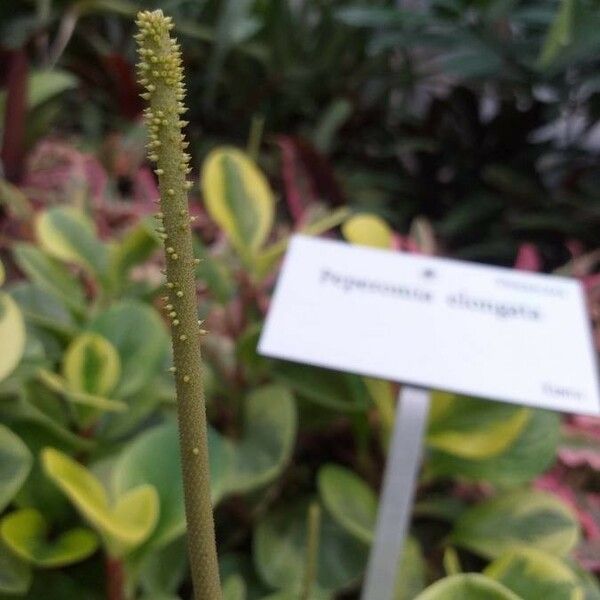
398	490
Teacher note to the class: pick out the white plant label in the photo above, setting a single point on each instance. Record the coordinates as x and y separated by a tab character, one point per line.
483	331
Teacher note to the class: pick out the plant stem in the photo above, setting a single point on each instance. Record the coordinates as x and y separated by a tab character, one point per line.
115	579
162	76
312	550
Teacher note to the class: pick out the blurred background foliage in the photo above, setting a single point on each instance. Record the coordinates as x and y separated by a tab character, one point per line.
479	115
466	128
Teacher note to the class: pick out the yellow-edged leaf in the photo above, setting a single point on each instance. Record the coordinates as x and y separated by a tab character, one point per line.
365	229
238	197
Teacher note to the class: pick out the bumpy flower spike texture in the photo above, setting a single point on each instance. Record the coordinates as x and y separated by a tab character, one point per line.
161	74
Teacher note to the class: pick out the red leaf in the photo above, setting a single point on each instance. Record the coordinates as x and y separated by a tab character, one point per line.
528	258
13	143
307	176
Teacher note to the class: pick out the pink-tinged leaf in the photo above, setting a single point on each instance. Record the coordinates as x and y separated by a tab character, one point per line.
145	190
307	177
588	555
298	190
581	503
580	446
528	258
56	170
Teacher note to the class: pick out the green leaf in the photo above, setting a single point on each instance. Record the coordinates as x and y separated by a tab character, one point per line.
15	464
15	574
91	365
2	273
164	570
12	335
520	517
532	573
43	309
67	234
280	546
349	500
365	229
139	336
530	454
50	275
474	429
214	274
411	572
559	34
270	424
234	588
123	525
267	259
135	247
153	458
239	199
59	385
44	85
331	389
470	586
26	532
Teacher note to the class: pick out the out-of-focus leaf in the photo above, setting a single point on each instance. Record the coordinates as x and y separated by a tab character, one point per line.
234	588
43	309
334	117
531	453
532	573
349	500
68	235
560	33
368	230
49	275
164	570
153	458
136	246
15	464
15	574
59	385
140	338
280	546
238	197
270	425
12	335
332	389
25	532
515	518
43	86
410	579
473	429
91	365
468	586
123	525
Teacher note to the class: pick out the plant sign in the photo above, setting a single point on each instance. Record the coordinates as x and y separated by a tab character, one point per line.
434	323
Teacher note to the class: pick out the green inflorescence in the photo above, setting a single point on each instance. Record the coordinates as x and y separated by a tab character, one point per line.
161	74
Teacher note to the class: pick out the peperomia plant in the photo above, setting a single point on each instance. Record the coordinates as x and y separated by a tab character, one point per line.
91	486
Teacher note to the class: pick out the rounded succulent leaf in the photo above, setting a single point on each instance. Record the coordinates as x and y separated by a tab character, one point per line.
25	532
515	518
15	464
349	500
468	586
91	365
125	524
365	229
238	197
12	335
